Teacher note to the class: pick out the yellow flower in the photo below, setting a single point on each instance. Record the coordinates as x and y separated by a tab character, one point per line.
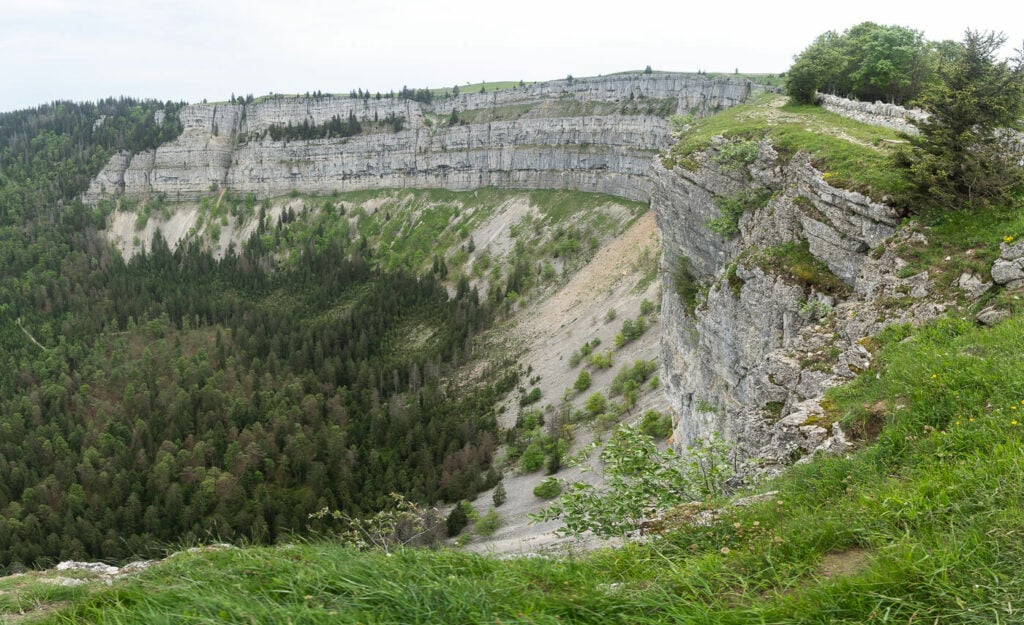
1014	422
1013	407
971	419
935	375
1007	239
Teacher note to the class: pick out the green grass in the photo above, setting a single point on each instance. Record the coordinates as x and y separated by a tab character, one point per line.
500	85
968	239
570	107
851	154
773	80
558	205
927	521
795	261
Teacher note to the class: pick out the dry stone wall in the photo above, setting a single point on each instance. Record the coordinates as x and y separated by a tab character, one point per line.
875	113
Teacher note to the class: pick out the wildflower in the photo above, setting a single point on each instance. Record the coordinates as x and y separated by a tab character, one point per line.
1008	239
935	375
971	419
724	550
1013	407
1013	422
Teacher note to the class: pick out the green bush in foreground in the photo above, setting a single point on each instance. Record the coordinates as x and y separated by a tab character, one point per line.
640	480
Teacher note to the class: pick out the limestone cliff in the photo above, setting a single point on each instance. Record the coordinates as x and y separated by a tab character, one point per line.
228	145
751	357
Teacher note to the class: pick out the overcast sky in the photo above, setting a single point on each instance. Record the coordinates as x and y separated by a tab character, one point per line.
195	49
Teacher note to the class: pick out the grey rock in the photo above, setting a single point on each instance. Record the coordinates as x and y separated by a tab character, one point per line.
742	348
1011	251
1008	273
973	285
992	315
227	145
875	113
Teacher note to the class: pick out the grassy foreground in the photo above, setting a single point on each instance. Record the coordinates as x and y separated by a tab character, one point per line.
925	525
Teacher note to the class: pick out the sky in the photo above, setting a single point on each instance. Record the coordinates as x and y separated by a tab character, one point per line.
201	49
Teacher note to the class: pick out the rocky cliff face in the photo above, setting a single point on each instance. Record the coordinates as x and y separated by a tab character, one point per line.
227	145
751	357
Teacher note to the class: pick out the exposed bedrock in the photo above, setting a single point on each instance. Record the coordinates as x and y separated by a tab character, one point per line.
228	145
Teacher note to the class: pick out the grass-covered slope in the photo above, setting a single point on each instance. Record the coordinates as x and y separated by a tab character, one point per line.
924	525
852	154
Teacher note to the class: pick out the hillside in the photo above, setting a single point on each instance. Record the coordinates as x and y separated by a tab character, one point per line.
898	529
843	360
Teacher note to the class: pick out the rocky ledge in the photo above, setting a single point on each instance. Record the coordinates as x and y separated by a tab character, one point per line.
229	145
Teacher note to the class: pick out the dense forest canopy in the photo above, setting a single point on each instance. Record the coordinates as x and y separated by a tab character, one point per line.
177	396
867	62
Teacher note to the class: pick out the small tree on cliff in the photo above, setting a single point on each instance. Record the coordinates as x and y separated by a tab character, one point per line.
961	156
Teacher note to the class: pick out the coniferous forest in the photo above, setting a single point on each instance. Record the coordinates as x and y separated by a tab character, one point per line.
178	397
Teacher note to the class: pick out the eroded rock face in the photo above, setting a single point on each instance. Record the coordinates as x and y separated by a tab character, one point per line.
764	343
228	145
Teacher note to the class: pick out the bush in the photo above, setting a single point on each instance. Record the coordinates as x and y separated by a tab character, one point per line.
488	523
732	207
582	382
554	461
687	287
530	419
596	404
737	154
646	307
457	521
656	425
548	489
530	398
601	361
640	478
532	458
631	330
632	377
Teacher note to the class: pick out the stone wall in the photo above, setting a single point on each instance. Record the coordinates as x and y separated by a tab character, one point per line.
874	113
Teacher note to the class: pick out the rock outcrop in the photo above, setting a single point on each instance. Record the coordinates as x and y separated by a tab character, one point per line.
751	358
229	145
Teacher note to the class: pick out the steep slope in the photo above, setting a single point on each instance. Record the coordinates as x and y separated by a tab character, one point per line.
780	274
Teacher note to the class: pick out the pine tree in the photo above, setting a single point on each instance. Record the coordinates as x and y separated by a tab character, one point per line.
500	496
